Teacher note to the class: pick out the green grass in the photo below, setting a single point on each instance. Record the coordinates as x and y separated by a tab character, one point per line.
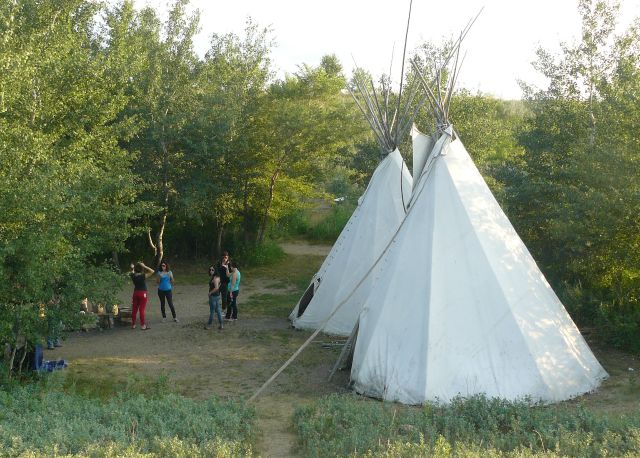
350	425
276	305
290	275
108	385
264	254
329	228
293	271
50	419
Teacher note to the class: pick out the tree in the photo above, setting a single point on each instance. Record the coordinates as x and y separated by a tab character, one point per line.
576	199
160	65
306	124
66	190
232	83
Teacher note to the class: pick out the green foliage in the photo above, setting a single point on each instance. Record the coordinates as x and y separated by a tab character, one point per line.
304	126
258	254
344	425
231	85
329	228
295	224
66	188
156	65
159	448
573	197
42	420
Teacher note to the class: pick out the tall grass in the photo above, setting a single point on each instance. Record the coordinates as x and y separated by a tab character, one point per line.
46	420
478	426
328	229
262	254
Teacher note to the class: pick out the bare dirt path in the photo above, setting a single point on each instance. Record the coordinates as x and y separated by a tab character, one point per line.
232	363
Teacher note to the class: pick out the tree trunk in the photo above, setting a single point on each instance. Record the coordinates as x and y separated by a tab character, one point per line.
218	251
151	244
248	220
157	245
265	217
159	251
24	355
160	239
592	118
115	259
12	359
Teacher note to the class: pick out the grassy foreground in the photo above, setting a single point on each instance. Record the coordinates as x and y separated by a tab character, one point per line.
348	425
50	419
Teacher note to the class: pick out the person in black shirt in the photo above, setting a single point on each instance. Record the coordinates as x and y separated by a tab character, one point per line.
223	269
139	299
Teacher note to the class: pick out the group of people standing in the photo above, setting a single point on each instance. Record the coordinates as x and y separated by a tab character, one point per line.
224	288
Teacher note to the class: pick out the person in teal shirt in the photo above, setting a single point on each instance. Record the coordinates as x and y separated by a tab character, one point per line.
234	290
165	290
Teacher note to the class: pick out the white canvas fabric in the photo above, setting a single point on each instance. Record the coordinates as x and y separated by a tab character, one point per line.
422	146
463	308
377	217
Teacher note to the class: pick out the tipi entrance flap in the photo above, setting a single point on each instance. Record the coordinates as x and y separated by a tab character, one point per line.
306	298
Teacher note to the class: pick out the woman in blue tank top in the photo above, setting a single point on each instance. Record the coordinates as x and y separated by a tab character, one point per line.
165	290
234	290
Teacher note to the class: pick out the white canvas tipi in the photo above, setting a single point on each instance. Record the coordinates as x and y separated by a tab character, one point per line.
377	217
332	300
463	308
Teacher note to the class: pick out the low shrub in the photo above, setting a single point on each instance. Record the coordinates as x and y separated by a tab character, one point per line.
620	326
329	228
478	426
159	448
36	420
612	313
263	254
294	224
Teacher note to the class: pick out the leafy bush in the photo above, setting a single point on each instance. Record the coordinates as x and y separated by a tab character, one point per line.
38	420
296	223
613	321
343	425
329	228
265	253
622	328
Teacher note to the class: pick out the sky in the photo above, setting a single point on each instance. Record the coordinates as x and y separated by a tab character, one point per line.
499	48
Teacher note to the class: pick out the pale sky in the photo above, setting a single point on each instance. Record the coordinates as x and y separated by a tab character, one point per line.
499	48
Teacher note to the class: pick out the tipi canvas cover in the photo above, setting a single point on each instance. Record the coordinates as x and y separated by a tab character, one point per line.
380	210
422	146
459	306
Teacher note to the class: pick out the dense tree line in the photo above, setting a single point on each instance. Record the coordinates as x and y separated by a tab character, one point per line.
574	194
116	137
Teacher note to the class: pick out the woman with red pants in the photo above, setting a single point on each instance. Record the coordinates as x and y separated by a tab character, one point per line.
139	299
